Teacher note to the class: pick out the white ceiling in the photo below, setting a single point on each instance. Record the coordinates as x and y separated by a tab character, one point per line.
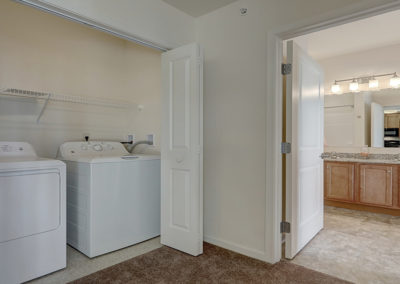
370	33
198	8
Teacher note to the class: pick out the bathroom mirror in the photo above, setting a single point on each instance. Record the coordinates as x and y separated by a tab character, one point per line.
363	118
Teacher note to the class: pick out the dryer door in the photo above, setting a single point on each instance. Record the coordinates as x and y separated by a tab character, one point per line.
29	203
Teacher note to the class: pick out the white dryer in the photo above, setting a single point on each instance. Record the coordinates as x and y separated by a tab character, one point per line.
32	214
113	197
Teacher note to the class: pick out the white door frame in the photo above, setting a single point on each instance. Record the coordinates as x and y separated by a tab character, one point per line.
275	40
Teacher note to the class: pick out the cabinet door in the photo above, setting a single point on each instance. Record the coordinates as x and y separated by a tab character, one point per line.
339	181
376	184
392	121
397	123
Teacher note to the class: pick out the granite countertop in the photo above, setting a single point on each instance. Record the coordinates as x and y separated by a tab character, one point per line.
357	158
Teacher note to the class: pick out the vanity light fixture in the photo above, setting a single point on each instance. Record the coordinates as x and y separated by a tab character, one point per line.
336	88
373	82
353	86
395	81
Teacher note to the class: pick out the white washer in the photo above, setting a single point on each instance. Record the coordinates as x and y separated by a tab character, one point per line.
113	197
32	214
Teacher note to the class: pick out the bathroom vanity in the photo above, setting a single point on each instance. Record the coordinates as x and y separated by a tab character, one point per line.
363	184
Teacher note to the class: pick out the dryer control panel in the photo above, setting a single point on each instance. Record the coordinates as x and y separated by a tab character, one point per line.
16	149
72	150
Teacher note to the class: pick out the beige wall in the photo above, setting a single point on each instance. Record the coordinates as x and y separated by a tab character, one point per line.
42	52
235	114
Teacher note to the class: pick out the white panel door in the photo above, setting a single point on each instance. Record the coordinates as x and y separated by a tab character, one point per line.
377	125
304	167
181	149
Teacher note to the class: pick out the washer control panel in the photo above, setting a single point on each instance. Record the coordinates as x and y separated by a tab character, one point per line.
72	150
16	149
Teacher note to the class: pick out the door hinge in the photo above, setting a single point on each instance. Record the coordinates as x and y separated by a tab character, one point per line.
286	69
285	227
286	148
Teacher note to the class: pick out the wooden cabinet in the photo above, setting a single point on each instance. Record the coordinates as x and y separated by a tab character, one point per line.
377	184
339	181
392	120
362	186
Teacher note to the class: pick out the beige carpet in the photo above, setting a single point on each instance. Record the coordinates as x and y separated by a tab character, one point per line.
216	265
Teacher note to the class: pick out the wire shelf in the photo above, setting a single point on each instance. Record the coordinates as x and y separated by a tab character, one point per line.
64	98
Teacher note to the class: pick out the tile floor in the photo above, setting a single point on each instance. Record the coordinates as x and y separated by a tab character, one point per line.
78	265
357	246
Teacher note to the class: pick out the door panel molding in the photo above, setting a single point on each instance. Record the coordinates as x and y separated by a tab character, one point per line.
182	149
304	167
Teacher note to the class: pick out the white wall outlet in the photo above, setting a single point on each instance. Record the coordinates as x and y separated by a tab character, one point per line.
150	138
131	137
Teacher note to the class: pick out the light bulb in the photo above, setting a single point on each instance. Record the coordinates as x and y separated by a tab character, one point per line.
395	81
336	88
373	83
353	86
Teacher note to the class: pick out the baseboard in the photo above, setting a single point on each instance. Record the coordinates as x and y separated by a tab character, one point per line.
361	207
253	253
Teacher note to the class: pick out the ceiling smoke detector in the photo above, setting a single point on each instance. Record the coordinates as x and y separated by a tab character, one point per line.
243	11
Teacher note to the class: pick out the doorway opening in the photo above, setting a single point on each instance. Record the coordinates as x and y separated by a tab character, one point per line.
341	178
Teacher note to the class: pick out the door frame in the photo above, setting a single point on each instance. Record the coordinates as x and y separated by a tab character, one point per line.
275	38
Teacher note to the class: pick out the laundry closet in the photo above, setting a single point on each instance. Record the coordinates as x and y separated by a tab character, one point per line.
97	85
71	99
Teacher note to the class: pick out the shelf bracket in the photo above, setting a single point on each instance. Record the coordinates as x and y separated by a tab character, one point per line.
43	109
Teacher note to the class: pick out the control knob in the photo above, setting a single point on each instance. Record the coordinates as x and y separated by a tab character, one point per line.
97	147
